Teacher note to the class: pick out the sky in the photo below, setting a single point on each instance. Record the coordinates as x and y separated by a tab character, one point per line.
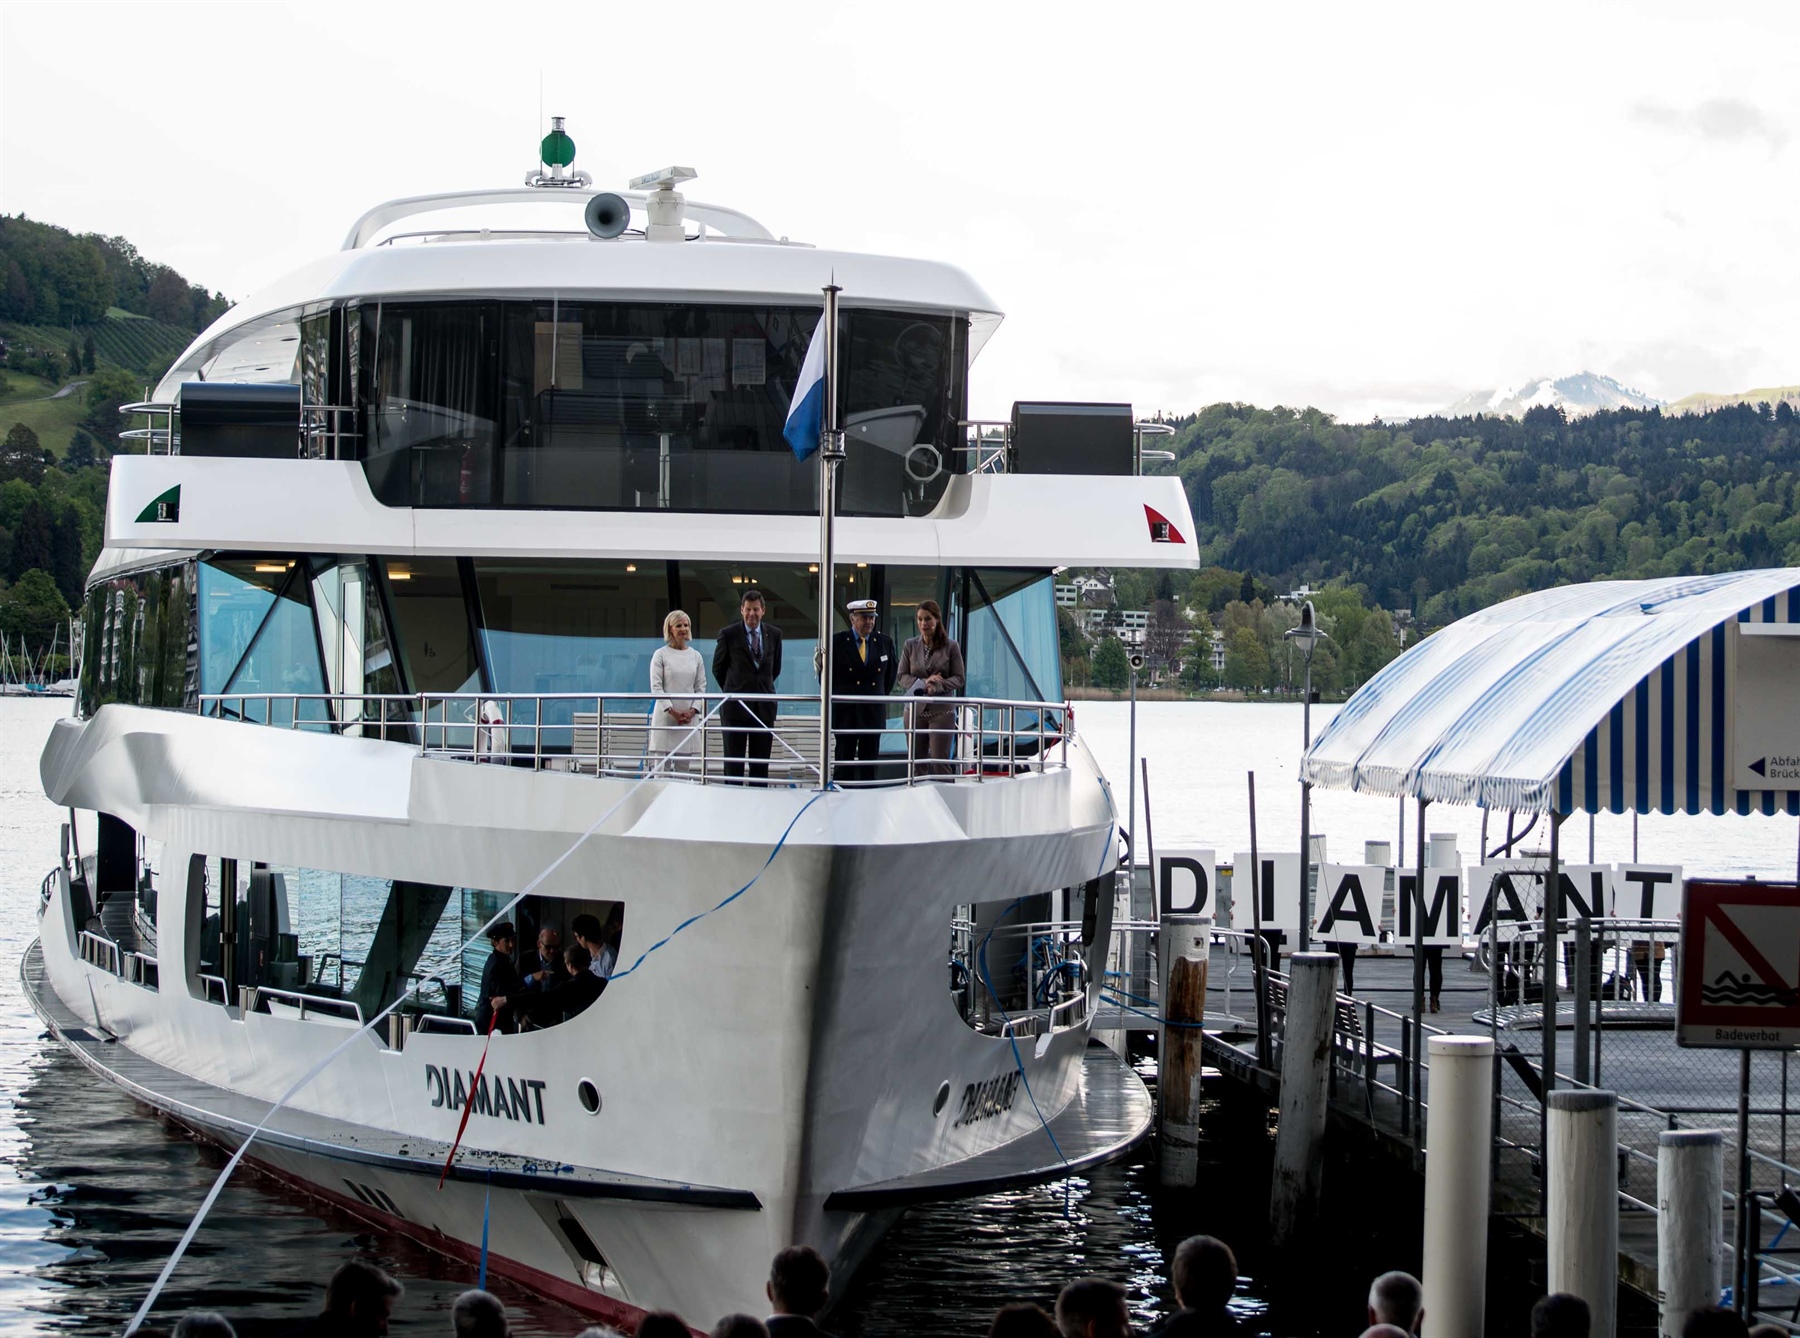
1369	208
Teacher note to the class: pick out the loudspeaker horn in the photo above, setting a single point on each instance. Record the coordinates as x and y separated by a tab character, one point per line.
606	215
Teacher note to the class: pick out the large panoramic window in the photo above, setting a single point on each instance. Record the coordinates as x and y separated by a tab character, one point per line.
432	624
711	595
1009	634
138	631
602	405
569	627
258	644
429	416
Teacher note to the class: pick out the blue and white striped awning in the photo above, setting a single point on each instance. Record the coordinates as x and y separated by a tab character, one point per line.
1605	697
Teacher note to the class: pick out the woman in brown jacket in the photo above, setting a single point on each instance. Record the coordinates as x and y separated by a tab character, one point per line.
931	665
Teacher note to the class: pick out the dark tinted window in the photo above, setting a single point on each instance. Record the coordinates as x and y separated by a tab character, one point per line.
635	405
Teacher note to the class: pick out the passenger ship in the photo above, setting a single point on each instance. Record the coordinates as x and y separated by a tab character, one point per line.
366	656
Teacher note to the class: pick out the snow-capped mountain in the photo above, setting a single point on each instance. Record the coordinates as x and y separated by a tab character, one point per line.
1583	393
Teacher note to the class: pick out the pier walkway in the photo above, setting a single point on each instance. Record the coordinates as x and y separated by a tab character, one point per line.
1630	1050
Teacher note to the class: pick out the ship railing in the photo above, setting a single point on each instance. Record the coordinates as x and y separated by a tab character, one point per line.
1020	979
98	950
975	739
141	969
988	446
163	440
308	1007
214	989
322	431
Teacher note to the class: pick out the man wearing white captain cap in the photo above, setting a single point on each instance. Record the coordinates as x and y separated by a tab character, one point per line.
863	664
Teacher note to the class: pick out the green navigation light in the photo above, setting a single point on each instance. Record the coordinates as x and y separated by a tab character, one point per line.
557	150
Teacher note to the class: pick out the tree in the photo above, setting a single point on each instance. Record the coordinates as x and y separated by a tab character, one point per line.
109	388
1246	662
66	566
81	453
82	283
1111	668
1165	633
34	542
33	609
168	298
88	353
1197	662
22	455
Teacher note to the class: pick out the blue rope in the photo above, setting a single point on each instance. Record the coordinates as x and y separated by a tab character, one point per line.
487	1200
1154	1017
1018	1062
695	919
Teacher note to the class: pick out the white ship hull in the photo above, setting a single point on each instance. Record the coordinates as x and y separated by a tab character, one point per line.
788	1067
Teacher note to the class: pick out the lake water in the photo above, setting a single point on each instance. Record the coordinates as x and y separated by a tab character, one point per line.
94	1191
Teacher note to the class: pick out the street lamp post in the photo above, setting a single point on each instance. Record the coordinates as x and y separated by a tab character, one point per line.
1307	636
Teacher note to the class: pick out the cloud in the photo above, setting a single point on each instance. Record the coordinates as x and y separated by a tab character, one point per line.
1721	120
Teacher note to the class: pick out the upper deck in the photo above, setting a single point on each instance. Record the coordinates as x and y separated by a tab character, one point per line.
484	373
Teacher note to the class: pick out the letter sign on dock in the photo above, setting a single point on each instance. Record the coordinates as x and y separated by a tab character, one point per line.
1740	966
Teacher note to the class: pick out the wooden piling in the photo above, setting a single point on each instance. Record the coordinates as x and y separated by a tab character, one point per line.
1581	1177
1690	1222
1457	1184
1185	941
1305	1076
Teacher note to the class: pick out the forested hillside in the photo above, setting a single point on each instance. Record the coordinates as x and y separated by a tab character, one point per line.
51	277
1446	516
86	324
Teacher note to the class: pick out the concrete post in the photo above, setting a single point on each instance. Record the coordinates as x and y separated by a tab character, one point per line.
1184	940
1305	1075
1456	1185
1690	1222
1581	1176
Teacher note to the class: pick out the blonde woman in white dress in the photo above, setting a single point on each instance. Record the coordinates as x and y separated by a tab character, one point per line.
678	678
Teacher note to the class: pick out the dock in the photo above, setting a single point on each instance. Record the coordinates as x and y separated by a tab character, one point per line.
1632	1051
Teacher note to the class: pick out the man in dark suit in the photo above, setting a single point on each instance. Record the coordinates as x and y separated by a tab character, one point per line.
748	659
863	664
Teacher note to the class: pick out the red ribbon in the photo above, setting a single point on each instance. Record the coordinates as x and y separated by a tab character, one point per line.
469	1101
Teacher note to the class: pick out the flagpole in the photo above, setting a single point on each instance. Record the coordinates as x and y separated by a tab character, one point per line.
831	454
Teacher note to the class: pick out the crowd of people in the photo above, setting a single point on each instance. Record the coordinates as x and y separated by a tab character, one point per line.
556	983
1203	1274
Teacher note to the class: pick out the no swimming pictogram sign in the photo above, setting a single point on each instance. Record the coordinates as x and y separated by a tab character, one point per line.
1740	966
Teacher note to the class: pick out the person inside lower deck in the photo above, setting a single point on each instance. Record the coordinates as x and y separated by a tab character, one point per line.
569	997
499	981
544	974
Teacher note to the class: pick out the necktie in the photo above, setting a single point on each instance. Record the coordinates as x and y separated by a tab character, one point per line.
862	649
756	644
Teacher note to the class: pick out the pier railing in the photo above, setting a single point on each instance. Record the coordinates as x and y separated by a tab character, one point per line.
620	734
1607	1037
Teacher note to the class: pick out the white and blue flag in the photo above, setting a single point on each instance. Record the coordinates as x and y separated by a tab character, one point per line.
806	415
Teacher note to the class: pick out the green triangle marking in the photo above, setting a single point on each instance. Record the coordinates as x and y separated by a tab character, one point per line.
165	509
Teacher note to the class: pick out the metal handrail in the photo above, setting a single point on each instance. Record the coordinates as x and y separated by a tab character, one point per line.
510	729
144	970
342	1010
96	946
206	984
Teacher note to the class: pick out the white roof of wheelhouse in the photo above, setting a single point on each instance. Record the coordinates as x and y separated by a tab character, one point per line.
1546	702
625	269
